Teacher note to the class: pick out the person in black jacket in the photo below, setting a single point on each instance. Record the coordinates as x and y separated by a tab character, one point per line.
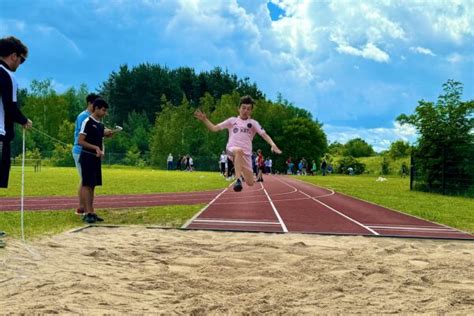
13	53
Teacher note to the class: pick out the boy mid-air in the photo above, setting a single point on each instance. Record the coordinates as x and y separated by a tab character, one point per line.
242	130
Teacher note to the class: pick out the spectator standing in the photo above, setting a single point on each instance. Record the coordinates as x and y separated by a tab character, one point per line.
260	165
178	162
13	53
169	160
323	167
313	168
223	162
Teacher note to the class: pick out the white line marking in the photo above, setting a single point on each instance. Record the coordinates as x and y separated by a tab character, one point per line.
294	190
414	228
234	222
266	201
336	211
388	208
204	208
283	226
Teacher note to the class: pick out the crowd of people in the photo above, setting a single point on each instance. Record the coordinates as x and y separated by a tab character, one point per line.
183	163
305	168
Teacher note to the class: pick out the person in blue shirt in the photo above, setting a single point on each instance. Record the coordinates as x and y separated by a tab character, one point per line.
77	149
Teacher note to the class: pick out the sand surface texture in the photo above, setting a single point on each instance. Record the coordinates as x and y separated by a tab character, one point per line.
138	270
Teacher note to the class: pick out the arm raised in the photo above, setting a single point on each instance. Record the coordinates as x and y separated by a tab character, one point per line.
203	117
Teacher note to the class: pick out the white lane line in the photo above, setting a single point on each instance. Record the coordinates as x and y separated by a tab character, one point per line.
204	208
260	202
285	193
332	192
283	226
336	211
234	222
414	228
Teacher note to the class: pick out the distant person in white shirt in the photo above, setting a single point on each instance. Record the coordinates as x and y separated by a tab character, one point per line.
170	161
223	162
268	165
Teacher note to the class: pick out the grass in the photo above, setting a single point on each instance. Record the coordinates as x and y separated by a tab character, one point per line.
51	181
373	165
43	223
395	193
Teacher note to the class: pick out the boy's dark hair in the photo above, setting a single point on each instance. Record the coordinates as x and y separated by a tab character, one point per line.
246	100
92	97
100	103
10	45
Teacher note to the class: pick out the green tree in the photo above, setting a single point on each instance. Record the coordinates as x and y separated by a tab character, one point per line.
358	147
385	165
399	149
349	162
445	149
303	138
336	149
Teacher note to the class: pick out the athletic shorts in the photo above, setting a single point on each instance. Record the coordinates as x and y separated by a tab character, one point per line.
5	163
77	163
247	163
91	170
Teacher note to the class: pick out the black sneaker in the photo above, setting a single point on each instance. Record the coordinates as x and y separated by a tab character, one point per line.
89	218
238	185
97	218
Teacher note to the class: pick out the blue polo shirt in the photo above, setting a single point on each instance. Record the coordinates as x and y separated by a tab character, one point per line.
80	118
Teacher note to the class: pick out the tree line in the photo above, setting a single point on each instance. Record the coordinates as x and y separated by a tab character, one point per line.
154	105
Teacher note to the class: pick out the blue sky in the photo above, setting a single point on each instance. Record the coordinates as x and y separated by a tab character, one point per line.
355	65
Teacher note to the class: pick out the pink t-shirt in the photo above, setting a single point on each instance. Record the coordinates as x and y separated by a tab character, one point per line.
241	132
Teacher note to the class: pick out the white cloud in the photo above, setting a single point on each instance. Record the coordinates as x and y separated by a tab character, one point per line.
325	85
422	50
380	138
53	33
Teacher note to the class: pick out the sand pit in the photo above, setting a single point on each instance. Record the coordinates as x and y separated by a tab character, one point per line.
138	270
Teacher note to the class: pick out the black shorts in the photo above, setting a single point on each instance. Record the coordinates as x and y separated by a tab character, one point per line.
5	162
91	169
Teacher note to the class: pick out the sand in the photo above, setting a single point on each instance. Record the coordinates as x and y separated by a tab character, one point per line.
137	270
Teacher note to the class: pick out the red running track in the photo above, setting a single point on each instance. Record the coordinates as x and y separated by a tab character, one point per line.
283	204
108	201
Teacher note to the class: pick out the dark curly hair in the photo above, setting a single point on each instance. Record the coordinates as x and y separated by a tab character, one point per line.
10	45
246	100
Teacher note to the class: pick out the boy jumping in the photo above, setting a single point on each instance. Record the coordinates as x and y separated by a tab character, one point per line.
242	130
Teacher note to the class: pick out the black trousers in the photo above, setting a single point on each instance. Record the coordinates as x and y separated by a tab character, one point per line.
5	162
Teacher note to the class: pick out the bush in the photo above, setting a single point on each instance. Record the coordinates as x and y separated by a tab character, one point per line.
62	156
349	161
385	166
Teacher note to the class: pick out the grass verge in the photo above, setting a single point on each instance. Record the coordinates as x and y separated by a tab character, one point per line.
43	223
54	181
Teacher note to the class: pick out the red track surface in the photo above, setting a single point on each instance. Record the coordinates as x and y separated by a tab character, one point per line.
280	204
109	201
283	204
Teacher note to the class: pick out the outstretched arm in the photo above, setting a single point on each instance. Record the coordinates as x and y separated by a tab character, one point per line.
202	117
269	140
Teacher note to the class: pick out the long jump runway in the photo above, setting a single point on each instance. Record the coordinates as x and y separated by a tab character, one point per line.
282	204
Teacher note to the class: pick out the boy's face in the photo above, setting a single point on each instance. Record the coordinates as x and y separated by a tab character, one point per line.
245	110
100	112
